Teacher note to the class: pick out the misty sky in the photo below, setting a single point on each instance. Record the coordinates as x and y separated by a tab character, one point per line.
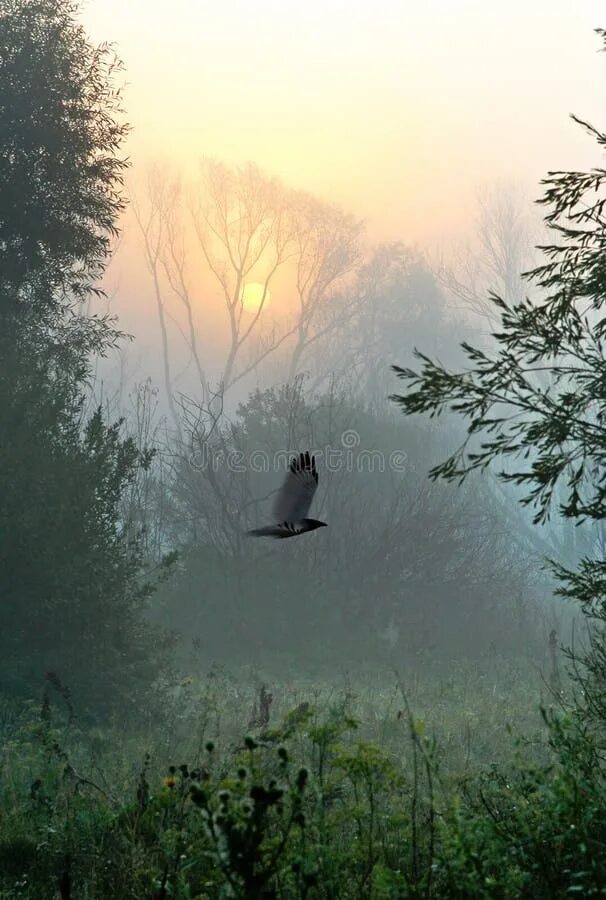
396	110
399	112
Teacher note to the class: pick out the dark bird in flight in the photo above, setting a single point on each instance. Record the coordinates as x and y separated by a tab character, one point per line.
293	501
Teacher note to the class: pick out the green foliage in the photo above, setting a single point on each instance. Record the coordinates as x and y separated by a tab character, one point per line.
307	809
304	811
72	577
536	831
535	403
73	586
59	170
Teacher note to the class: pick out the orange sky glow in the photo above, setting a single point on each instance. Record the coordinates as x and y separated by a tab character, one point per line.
396	111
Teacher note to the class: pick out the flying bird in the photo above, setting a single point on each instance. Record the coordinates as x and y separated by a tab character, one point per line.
293	501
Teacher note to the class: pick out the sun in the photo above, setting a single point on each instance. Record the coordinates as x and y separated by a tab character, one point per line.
252	296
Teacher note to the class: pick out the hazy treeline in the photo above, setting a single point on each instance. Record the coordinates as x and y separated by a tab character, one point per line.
99	502
373	588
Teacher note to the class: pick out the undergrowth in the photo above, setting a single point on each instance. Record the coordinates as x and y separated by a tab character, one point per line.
333	798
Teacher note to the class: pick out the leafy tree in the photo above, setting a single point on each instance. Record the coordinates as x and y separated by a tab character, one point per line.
60	172
71	580
535	403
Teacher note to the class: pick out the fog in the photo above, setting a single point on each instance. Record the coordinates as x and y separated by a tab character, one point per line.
222	267
313	194
398	114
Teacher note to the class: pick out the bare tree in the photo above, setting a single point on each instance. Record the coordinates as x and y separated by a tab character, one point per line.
328	250
394	304
152	225
245	230
174	263
503	248
145	502
210	491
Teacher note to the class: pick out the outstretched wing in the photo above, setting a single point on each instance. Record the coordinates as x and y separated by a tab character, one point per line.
284	530
295	496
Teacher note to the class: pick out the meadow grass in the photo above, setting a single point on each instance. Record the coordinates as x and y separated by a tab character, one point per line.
353	786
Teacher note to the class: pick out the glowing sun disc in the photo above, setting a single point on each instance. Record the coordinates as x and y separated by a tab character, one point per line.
252	296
